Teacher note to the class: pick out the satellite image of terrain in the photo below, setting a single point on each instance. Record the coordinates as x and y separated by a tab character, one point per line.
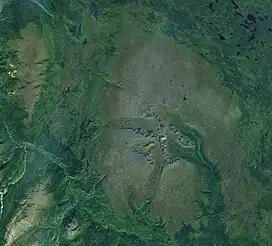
135	123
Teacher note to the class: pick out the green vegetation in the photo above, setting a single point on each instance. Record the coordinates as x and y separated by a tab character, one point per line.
64	144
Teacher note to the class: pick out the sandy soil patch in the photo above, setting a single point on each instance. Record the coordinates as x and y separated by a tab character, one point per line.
31	52
37	200
157	72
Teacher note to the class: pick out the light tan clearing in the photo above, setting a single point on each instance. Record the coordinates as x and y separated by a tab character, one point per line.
30	213
31	51
158	72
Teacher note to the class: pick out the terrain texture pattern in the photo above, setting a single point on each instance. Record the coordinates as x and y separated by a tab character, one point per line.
135	122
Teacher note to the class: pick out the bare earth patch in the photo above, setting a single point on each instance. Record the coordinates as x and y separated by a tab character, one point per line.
37	200
31	51
157	72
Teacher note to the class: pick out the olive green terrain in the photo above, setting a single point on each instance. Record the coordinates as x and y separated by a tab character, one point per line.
135	122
